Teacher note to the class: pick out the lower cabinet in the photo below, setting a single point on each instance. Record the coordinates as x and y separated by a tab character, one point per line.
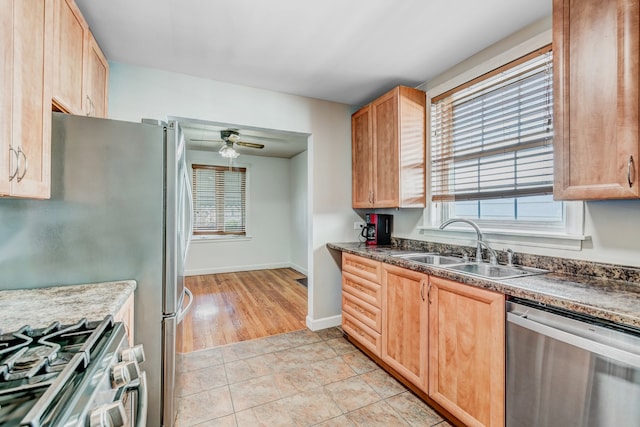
467	352
445	338
361	301
405	323
125	315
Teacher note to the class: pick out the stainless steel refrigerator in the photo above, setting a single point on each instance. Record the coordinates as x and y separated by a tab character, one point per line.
119	209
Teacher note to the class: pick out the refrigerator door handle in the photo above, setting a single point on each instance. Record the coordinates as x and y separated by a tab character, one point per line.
184	312
189	230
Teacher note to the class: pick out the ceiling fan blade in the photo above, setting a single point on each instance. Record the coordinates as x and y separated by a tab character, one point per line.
205	140
250	144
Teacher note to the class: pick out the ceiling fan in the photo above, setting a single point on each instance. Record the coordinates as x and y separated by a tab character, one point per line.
230	137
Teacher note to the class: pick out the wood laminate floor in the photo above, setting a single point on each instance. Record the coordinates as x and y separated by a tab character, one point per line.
233	307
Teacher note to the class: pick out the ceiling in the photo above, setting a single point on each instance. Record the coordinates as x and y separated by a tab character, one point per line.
343	51
205	136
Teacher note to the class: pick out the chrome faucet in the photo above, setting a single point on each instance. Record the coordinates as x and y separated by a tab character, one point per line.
479	240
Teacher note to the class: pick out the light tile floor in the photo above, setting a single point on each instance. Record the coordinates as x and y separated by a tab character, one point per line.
301	378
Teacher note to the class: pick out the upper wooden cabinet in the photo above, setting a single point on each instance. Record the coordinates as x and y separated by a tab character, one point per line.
405	322
388	151
596	72
467	352
96	80
80	69
69	51
25	76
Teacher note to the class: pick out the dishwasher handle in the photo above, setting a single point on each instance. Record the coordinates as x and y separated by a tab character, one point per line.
576	341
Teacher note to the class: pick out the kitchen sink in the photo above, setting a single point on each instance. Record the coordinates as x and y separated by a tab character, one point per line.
496	271
431	258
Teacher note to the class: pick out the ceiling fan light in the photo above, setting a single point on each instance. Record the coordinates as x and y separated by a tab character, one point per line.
228	152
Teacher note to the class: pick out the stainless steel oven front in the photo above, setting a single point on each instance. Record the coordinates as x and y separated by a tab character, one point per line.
79	375
569	370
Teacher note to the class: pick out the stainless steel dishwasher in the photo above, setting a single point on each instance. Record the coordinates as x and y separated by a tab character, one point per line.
569	370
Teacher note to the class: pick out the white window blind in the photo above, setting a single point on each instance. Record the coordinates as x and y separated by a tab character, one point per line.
492	137
219	200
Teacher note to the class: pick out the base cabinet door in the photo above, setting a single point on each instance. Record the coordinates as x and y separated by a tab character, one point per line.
404	323
467	352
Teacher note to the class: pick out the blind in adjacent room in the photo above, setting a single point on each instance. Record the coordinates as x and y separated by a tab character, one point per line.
219	200
492	137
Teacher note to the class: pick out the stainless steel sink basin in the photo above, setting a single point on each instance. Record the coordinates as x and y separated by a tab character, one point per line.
496	271
431	258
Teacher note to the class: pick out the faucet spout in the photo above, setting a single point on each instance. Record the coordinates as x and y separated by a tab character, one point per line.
493	256
479	240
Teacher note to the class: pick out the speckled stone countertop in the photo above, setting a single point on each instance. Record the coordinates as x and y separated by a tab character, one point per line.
600	296
66	304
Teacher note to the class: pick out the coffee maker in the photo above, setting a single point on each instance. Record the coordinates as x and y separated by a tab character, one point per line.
377	231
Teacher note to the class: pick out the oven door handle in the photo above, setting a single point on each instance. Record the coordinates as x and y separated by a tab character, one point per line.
142	402
576	340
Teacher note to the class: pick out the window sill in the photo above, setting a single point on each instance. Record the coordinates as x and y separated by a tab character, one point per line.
541	239
210	239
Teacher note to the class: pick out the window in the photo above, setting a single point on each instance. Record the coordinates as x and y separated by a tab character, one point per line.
492	146
219	200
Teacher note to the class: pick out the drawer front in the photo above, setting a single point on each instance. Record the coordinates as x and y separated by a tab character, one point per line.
361	333
362	267
365	313
363	289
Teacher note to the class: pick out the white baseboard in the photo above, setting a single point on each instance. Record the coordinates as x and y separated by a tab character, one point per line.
299	269
324	323
234	268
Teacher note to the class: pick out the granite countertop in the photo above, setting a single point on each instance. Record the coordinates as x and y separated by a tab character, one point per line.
66	304
614	300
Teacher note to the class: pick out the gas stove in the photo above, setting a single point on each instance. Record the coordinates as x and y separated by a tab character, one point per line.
83	374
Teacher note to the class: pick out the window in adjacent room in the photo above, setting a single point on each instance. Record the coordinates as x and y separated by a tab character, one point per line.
492	148
219	200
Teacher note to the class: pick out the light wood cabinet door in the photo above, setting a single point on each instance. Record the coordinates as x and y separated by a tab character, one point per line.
388	151
596	72
7	166
96	80
467	352
405	323
69	46
27	58
362	158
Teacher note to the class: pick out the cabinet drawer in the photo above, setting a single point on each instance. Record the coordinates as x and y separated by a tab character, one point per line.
362	267
364	312
363	289
361	333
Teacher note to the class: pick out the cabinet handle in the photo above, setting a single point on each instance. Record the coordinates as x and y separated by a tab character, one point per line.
429	292
422	289
15	171
26	163
629	166
91	106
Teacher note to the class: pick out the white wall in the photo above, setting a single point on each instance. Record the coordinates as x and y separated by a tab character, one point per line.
299	224
614	236
136	92
267	244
